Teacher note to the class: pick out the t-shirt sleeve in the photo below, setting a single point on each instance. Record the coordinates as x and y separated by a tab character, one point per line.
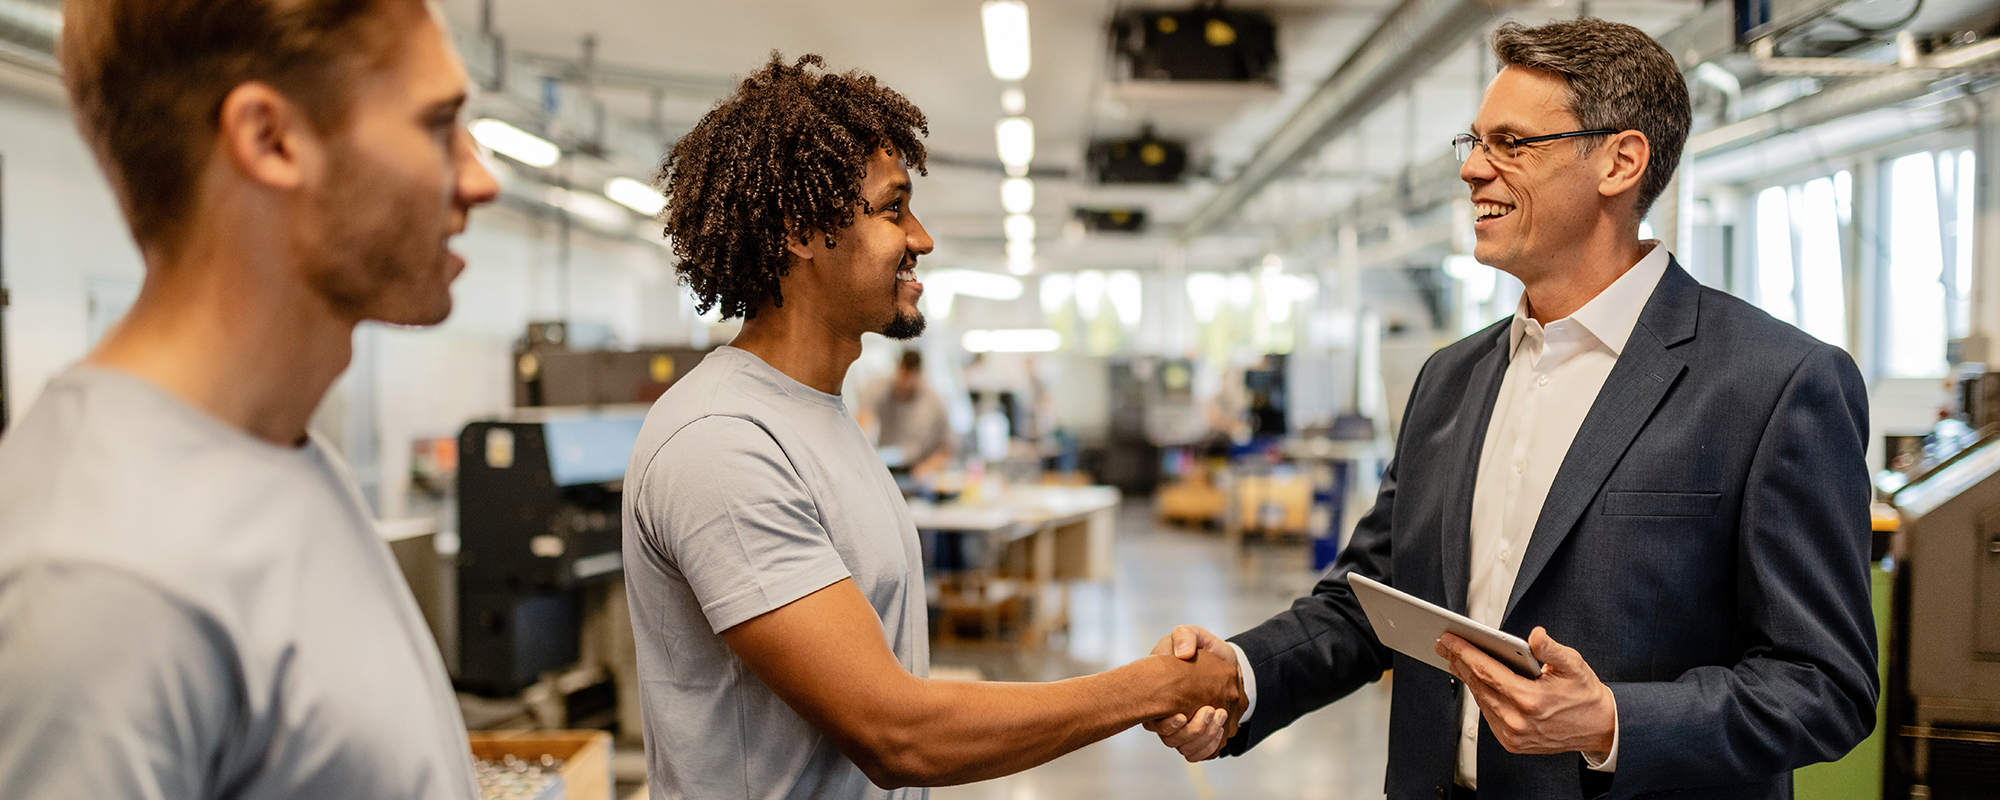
109	688
729	510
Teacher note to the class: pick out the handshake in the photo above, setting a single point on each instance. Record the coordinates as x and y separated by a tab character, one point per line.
1198	735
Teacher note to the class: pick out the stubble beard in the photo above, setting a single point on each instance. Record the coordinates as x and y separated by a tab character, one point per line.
375	262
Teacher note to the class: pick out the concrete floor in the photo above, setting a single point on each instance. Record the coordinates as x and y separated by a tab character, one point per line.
1169	576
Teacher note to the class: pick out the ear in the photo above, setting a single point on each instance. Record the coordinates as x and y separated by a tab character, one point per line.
1623	161
266	137
798	244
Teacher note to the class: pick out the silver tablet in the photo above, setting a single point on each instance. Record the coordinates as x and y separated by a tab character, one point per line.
1412	626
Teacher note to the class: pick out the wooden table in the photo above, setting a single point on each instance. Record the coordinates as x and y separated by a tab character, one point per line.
1035	538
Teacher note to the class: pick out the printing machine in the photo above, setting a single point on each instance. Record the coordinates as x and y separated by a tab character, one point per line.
1943	691
538	515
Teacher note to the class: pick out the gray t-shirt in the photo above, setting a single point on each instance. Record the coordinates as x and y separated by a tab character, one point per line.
190	612
749	490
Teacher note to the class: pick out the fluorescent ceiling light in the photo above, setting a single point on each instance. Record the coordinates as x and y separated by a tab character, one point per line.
1205	293
1017	195
1020	228
973	283
1006	24
635	195
1014	102
515	143
1016	340
588	206
1016	137
1021	256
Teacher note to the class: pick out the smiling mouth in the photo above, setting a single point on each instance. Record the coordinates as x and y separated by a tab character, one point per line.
1486	211
906	274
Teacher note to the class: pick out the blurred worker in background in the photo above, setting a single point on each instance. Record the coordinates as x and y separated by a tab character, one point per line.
1657	485
909	418
775	578
194	601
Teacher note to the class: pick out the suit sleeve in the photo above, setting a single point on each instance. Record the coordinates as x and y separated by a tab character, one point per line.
1804	689
109	688
1322	648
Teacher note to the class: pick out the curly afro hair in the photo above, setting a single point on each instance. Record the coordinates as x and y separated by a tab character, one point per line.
788	147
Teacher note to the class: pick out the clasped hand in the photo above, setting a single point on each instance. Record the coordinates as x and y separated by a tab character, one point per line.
1199	736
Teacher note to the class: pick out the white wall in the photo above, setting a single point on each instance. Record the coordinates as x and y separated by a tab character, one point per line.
63	231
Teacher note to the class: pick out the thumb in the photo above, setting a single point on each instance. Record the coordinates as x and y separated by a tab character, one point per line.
1187	639
1556	657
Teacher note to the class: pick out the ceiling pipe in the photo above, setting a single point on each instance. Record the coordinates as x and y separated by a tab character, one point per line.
1401	49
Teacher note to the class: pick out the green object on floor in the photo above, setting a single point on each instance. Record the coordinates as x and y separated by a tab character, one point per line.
1859	774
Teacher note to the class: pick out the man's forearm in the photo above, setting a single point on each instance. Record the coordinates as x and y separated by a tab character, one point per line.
948	732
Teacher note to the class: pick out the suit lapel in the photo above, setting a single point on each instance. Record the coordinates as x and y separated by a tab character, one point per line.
1482	389
1645	371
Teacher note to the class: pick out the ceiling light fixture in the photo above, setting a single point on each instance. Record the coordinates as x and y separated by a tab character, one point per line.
1014	102
515	143
1021	256
1017	195
1020	228
1006	23
635	195
1016	138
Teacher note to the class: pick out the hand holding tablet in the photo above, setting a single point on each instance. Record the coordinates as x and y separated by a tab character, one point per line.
1412	626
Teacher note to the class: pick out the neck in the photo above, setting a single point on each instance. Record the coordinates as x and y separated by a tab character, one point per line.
1560	285
233	331
801	344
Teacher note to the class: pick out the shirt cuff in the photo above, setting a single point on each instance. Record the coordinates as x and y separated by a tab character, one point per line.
1610	762
1250	684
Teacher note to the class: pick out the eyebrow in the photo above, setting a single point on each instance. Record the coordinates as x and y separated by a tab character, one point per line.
452	104
889	192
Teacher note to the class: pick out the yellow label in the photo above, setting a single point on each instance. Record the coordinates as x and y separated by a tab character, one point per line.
1168	24
663	368
1153	154
529	366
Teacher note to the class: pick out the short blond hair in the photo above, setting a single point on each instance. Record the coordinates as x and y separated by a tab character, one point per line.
147	79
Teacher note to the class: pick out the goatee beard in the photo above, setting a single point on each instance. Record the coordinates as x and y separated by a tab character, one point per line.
905	327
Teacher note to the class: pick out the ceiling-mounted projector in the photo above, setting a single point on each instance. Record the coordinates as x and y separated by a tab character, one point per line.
1146	159
1204	43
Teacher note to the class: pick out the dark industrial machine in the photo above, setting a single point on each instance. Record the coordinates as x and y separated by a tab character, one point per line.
1203	43
1943	692
548	372
538	514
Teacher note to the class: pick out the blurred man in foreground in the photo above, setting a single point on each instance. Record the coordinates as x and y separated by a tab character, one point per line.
775	579
194	602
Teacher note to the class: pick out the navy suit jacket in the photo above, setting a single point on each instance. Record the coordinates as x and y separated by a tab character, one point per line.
1704	546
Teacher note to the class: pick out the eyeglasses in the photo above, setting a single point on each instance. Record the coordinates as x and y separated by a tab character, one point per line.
1503	146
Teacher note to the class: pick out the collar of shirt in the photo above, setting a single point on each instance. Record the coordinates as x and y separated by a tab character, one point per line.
1610	316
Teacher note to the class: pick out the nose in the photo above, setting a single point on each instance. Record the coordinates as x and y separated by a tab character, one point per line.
476	186
918	239
1477	168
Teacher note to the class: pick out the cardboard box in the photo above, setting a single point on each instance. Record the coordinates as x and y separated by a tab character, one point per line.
586	756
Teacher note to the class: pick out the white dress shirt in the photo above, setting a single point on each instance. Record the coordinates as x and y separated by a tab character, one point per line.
1553	376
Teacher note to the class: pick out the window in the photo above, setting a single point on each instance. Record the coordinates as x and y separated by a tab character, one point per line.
1799	275
1928	270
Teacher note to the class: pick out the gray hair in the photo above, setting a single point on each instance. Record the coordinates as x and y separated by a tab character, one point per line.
1619	78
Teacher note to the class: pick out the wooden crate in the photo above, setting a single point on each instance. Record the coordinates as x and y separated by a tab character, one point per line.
586	771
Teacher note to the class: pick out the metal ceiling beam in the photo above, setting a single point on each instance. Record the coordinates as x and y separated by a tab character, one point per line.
1401	49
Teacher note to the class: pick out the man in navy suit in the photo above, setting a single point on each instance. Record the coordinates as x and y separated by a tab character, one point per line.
1657	485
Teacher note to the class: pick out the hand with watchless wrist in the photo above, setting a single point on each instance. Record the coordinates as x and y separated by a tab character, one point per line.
1566	709
1199	736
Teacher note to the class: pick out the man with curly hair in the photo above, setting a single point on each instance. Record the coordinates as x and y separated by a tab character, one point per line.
774	573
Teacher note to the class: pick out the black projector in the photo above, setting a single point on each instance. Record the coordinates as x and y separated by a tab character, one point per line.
1205	43
1147	159
1112	220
